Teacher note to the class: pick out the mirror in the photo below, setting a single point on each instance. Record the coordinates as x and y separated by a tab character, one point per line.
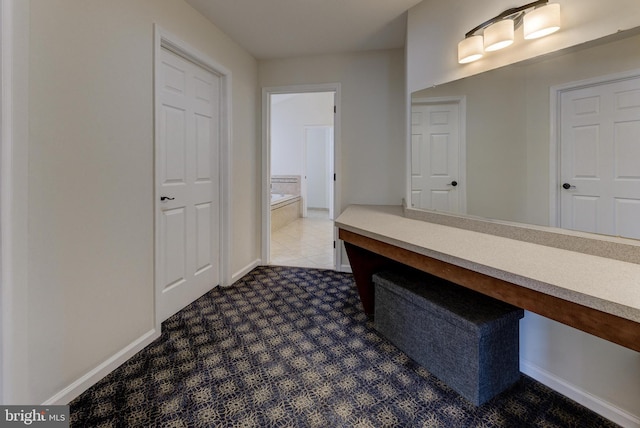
504	168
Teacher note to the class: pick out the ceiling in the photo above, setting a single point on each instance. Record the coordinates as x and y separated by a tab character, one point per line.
271	29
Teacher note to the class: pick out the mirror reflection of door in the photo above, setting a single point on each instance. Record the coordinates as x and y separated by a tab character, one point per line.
600	158
437	155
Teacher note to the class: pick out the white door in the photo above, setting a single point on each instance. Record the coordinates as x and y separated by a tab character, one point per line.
187	182
436	176
318	167
600	158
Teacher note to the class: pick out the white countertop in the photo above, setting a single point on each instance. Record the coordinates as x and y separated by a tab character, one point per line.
600	283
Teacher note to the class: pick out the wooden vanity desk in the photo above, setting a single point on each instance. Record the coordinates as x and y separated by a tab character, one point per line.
598	295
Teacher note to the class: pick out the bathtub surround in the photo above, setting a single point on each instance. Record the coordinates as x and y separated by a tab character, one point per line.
286	184
286	202
285	210
277	199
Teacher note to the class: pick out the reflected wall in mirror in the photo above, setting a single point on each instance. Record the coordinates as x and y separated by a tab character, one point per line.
499	129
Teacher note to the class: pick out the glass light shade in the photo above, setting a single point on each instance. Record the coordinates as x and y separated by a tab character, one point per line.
498	35
542	21
470	49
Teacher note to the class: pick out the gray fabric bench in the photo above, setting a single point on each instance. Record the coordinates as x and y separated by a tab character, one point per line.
468	340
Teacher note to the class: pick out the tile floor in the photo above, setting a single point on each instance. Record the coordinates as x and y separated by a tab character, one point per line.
306	242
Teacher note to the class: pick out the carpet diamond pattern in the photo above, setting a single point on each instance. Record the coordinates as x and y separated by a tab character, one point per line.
291	347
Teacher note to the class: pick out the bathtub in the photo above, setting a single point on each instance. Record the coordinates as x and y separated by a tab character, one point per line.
277	198
284	209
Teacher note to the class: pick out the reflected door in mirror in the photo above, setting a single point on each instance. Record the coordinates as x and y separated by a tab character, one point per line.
436	156
600	158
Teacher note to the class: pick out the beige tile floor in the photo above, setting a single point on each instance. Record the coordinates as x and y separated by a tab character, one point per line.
306	242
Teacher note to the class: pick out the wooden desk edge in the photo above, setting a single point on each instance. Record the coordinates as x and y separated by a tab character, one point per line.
368	255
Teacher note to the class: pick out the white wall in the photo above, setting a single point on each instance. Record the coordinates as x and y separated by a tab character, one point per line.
434	29
291	117
373	117
90	174
290	113
14	192
601	375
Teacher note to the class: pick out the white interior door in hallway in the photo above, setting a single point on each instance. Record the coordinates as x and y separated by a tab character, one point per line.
600	158
187	181
437	156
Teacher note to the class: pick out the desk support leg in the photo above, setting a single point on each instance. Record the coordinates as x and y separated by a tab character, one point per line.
364	264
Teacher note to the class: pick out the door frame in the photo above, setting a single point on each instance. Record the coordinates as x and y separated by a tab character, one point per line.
461	101
14	160
556	93
267	92
164	39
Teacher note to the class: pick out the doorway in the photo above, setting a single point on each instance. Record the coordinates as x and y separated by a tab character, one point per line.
300	179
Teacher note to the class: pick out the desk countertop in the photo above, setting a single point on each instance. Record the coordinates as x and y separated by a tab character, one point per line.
600	283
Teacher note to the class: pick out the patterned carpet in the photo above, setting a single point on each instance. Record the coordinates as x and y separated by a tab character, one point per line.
290	347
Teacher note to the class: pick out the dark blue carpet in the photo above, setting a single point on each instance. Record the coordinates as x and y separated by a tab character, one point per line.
291	347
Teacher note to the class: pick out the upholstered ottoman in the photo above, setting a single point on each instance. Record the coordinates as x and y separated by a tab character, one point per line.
466	339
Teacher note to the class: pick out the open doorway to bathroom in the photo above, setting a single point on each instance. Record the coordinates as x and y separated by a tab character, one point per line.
301	178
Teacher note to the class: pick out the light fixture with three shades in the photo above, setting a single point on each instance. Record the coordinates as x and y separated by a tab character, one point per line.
539	19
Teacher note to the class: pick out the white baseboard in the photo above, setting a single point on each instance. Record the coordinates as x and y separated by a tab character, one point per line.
88	380
597	404
245	270
346	268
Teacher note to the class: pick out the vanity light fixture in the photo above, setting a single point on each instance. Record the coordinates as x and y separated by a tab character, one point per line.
542	19
499	35
470	49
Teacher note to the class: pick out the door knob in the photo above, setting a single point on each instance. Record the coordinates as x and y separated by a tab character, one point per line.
454	183
166	198
567	186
